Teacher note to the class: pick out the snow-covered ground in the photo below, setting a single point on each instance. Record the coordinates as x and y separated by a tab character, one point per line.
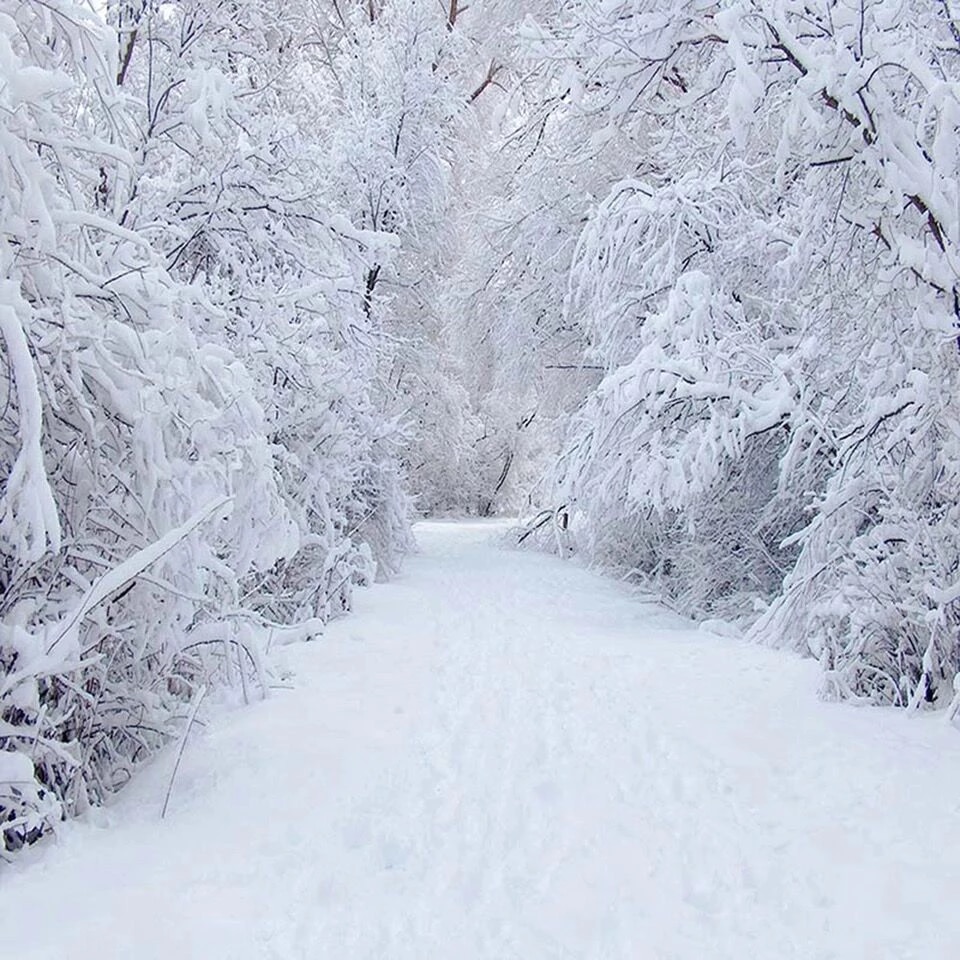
503	756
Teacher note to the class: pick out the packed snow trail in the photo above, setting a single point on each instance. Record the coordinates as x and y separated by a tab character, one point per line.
502	756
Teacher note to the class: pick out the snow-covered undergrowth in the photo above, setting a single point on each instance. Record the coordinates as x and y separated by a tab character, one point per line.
193	453
770	290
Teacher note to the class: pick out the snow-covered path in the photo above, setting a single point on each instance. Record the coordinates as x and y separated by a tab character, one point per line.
503	756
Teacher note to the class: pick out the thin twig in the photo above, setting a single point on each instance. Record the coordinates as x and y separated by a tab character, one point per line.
183	743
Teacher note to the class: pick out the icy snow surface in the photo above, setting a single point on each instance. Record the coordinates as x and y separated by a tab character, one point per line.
503	756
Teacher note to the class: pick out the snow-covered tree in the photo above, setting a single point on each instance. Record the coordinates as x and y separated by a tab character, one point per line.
770	291
194	455
138	487
522	183
233	179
